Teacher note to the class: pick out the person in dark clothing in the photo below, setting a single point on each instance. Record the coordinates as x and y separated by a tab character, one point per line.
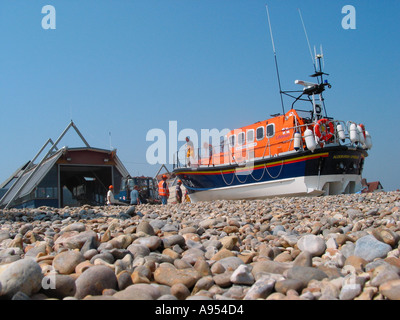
178	192
135	200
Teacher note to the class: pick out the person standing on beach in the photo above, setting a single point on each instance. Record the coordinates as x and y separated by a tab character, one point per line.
163	190
135	200
110	195
178	192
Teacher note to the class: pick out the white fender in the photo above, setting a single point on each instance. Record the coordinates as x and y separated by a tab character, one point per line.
340	132
297	141
353	133
310	140
368	140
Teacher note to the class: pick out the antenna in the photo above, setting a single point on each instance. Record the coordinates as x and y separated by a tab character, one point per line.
323	58
109	133
308	42
276	61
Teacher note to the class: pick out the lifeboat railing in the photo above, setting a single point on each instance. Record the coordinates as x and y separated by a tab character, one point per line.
201	157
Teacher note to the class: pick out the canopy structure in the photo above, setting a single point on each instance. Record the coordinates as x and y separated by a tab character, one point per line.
64	177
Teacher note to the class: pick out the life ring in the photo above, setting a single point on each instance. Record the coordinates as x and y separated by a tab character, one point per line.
324	129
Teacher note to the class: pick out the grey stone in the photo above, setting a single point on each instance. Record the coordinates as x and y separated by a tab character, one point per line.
369	248
242	275
173	240
348	249
145	227
151	242
169	227
5	235
260	289
269	267
131	211
350	291
138	250
24	275
313	244
133	293
283	286
231	263
90	243
157	224
306	274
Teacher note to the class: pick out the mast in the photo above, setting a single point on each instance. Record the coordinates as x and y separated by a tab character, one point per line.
308	41
313	91
276	61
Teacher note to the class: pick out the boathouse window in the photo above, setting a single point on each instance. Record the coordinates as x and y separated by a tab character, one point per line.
270	130
260	133
241	138
232	140
44	193
250	136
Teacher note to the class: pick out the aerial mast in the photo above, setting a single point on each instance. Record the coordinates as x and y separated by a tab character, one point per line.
276	61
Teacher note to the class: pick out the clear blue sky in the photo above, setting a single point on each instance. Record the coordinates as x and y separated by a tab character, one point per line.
128	66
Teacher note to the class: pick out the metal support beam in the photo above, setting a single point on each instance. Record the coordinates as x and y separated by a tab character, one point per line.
162	166
23	172
80	135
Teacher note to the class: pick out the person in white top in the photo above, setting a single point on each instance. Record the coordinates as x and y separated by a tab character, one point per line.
110	196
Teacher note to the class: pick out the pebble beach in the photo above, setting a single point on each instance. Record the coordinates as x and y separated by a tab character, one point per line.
343	247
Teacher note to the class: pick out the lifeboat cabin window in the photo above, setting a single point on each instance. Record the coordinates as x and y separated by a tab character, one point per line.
232	141
241	138
250	136
271	130
260	133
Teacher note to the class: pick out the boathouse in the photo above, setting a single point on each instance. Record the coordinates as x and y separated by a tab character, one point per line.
64	177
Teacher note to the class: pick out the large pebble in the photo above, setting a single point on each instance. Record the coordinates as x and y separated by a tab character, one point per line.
60	286
391	289
145	227
174	240
151	242
306	274
169	275
260	289
369	248
313	244
242	275
74	239
66	262
94	280
133	293
24	275
350	291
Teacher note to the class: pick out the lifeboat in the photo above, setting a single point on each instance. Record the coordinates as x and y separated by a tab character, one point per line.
301	152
